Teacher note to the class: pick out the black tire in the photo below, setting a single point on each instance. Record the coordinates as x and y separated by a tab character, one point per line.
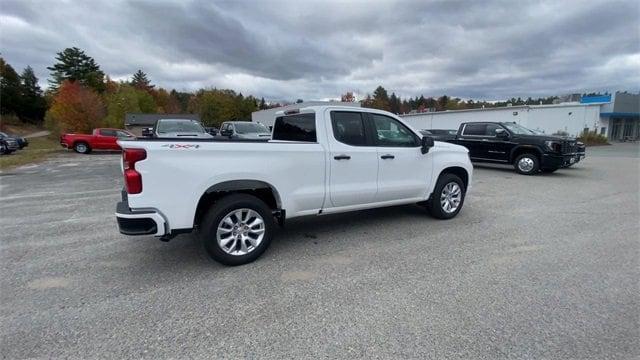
220	209
435	207
532	169
81	147
3	149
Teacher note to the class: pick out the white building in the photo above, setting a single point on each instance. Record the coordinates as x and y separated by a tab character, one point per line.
268	116
615	116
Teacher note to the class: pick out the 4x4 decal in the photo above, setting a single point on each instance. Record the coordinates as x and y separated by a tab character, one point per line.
181	146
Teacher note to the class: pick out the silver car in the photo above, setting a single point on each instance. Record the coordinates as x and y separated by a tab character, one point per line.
244	130
177	128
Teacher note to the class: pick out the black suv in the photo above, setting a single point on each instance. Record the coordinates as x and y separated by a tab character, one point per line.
511	143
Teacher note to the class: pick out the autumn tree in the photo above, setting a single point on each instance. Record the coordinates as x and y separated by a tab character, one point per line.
75	108
127	99
348	97
141	82
74	65
165	102
216	106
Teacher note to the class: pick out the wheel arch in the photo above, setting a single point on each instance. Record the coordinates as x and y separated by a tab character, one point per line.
525	149
258	188
459	171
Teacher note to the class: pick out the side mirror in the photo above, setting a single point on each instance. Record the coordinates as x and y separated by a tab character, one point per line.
426	144
502	133
226	132
147	132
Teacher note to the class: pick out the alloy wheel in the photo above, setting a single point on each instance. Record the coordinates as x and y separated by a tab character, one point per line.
240	232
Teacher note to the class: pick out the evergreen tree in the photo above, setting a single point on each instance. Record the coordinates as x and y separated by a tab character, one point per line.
140	81
74	65
263	105
9	89
34	105
381	99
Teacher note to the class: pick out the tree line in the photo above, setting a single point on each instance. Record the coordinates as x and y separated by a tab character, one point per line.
380	99
81	96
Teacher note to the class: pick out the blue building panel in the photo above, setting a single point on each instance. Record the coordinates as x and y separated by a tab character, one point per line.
595	99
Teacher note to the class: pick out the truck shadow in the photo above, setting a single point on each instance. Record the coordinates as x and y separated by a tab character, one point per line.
148	257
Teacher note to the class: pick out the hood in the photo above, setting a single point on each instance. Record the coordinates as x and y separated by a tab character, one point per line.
191	135
544	137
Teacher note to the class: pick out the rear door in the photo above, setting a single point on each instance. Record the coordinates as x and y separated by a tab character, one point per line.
473	138
353	178
403	171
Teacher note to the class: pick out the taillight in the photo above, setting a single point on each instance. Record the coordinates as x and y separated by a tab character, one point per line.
132	178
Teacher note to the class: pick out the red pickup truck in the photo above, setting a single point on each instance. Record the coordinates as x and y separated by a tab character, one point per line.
101	139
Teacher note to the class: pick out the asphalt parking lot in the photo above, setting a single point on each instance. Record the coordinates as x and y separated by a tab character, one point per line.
533	267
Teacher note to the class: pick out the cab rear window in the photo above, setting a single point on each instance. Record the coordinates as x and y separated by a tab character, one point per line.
298	127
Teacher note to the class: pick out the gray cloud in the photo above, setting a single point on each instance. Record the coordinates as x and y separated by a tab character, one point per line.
288	49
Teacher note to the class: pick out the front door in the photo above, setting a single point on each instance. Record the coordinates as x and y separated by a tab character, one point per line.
403	171
496	148
353	177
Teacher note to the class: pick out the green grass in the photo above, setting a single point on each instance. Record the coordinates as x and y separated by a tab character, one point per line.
39	149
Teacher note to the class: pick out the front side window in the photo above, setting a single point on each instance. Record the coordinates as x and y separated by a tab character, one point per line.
348	127
491	129
475	129
391	132
518	129
123	134
298	127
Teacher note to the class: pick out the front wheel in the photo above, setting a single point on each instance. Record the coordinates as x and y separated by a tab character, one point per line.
448	197
237	229
527	164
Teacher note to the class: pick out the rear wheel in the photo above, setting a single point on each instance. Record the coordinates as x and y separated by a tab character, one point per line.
448	197
527	164
3	149
237	229
82	148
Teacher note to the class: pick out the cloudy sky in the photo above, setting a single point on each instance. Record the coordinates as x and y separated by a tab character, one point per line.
317	50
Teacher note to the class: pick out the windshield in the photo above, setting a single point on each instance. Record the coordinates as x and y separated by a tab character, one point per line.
244	128
518	129
179	126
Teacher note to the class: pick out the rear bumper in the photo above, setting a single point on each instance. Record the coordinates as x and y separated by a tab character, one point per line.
139	221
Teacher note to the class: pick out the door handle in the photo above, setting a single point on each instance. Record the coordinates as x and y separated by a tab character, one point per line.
387	156
342	157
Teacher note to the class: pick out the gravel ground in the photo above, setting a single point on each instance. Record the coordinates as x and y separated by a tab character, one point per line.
541	267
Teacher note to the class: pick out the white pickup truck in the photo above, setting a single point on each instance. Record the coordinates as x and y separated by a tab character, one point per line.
320	160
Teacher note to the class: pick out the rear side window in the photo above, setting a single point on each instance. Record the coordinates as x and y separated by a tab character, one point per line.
299	127
107	132
348	127
475	129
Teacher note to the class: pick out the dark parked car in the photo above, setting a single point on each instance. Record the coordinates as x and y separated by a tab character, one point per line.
22	141
212	130
8	144
511	143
